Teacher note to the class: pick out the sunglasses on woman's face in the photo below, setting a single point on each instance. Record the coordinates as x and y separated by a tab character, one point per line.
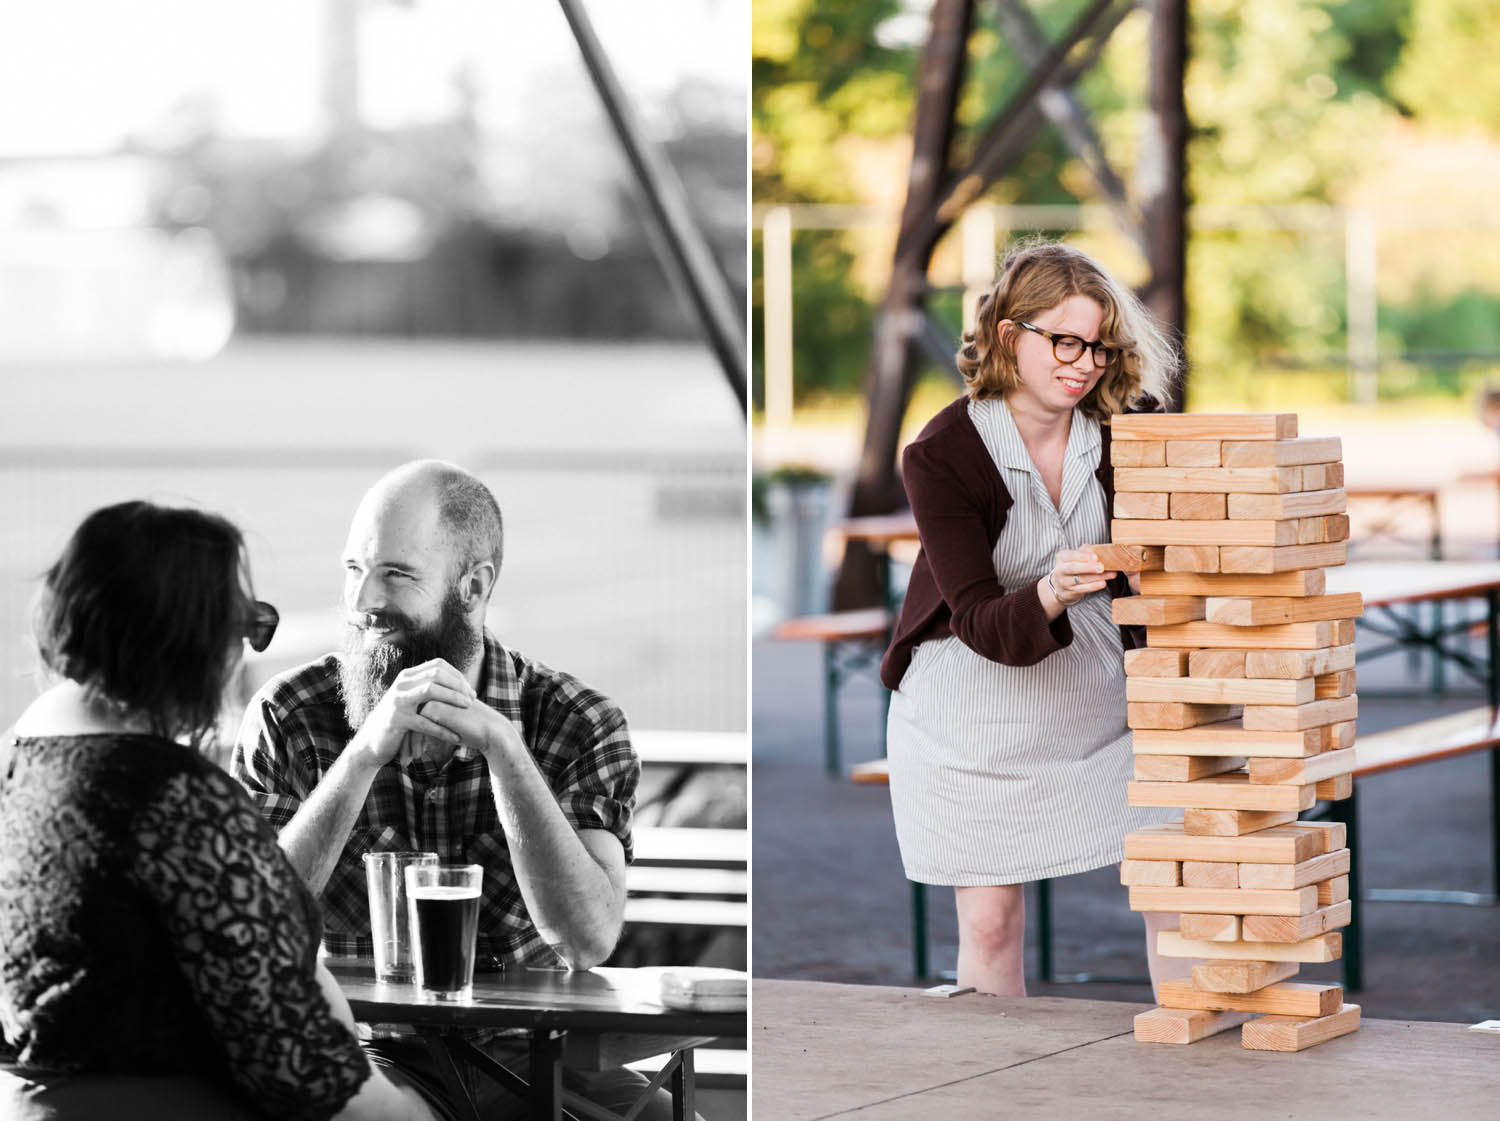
261	625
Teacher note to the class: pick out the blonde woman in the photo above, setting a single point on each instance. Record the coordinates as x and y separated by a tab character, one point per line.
1009	752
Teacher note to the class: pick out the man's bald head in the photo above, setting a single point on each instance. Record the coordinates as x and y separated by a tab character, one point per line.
467	514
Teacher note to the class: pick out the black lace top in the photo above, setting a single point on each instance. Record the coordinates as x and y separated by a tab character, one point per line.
149	924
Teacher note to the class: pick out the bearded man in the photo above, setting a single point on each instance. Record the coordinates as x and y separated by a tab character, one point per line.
427	734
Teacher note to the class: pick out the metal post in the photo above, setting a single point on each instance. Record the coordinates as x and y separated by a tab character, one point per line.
546	1075
1492	599
687	250
1347	811
776	288
684	1107
1044	928
831	682
919	929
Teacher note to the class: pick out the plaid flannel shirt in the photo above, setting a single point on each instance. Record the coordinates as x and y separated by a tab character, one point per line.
295	728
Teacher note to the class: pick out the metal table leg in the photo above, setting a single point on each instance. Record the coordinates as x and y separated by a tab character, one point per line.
684	1107
1044	928
546	1075
1347	811
919	929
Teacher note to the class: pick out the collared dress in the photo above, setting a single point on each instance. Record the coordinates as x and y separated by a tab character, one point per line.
1004	774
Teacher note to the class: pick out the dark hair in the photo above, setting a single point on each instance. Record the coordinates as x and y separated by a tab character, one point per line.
143	608
471	518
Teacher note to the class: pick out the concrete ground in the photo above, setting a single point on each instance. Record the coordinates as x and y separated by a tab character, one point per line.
831	904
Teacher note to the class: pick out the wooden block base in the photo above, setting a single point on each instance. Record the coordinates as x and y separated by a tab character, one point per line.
1183	1025
1289	998
1298	1033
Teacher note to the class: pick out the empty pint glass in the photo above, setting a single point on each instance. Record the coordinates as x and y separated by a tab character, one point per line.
390	926
444	904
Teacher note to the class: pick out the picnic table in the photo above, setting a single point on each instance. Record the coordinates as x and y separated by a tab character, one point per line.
984	1056
588	1020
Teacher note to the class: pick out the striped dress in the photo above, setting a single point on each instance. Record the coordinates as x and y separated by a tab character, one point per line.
1006	774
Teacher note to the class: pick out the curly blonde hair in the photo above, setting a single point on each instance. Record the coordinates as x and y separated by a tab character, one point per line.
1033	280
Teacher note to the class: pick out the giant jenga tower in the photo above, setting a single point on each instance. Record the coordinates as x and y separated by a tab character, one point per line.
1243	707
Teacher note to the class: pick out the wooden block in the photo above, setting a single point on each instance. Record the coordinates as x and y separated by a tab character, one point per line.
1221	690
1150	873
1322	476
1298	1033
1228	737
1288	718
1232	791
1280	844
1248	611
1155	611
1300	772
1204	426
1322	947
1182	768
1280	636
1192	453
1156	663
1328	686
1335	789
1216	663
1141	505
1211	928
1210	480
1191	558
1282	453
1320	531
1266	927
1285	877
1300	504
1235	901
1334	890
1338	736
1170	532
1209	873
1333	835
1138	453
1231	976
1183	1025
1169	715
1232	823
1288	998
1301	582
1299	663
1197	507
1260	558
1123	557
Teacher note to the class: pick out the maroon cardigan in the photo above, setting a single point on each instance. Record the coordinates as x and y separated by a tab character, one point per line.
961	502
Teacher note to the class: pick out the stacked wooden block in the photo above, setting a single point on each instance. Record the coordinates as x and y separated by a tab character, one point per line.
1243	707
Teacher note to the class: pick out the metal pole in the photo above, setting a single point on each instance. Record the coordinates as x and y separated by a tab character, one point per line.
687	250
776	285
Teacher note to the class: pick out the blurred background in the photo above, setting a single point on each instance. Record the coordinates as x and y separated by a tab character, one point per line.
1342	240
253	256
1326	234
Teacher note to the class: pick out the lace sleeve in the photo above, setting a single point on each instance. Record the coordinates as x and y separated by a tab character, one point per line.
241	927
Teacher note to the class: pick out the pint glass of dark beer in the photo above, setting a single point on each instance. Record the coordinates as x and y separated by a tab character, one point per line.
444	903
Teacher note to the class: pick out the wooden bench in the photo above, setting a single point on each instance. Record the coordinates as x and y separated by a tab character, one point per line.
1427	741
852	642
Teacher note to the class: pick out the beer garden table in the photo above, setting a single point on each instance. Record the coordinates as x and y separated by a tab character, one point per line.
588	1020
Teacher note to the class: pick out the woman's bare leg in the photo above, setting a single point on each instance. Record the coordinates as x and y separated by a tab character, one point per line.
992	938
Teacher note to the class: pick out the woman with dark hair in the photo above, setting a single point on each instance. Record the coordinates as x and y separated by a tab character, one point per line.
149	923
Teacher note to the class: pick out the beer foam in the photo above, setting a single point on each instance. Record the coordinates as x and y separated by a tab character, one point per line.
437	892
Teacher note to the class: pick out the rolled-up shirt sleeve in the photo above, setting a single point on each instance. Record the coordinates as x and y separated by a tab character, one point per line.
596	785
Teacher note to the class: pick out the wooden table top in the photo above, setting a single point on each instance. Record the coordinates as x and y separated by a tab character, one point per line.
602	1000
883	1054
1383	584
